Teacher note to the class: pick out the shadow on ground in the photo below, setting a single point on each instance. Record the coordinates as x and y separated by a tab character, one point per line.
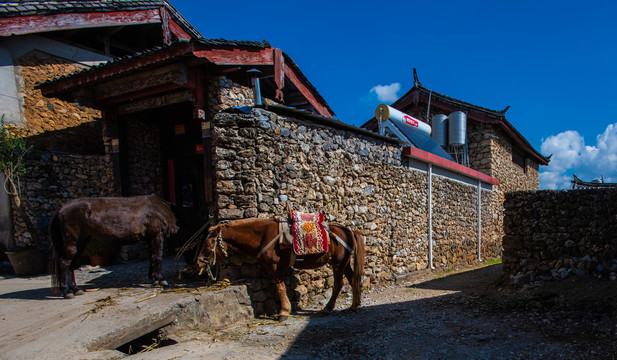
129	275
469	315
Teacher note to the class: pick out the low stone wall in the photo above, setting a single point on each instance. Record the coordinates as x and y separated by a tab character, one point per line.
556	234
55	178
264	160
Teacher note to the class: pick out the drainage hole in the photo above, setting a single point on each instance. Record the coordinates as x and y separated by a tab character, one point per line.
148	342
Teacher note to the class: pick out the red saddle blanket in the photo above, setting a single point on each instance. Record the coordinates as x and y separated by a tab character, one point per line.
310	235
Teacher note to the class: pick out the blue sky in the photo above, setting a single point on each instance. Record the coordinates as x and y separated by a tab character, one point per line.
553	62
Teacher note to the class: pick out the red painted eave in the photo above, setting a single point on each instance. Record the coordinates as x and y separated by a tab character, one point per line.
447	164
234	56
43	23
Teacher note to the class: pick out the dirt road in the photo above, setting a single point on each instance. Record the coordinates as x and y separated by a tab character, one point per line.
466	315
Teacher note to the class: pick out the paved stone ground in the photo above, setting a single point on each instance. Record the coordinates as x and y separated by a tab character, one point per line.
118	304
471	314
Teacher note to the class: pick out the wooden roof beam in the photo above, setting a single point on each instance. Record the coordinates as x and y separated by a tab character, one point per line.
236	56
42	23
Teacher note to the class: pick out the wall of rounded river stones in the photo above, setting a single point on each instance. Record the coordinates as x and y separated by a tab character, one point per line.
264	160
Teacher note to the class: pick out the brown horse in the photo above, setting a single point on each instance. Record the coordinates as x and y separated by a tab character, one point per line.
110	220
254	237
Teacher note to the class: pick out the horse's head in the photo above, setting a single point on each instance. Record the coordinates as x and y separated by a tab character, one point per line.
213	247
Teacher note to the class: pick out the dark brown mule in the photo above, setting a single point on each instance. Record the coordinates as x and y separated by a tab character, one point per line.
121	220
252	236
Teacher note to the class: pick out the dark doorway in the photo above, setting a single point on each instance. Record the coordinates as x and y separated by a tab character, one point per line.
182	157
162	153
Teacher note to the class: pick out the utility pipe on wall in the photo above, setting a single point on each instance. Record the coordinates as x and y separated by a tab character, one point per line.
254	74
479	220
430	215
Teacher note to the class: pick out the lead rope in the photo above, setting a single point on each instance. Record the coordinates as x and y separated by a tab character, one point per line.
218	243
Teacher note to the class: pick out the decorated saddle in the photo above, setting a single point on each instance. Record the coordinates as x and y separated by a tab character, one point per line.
309	234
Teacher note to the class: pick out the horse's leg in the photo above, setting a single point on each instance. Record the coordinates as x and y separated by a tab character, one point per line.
281	291
72	284
336	288
355	287
67	277
156	259
278	273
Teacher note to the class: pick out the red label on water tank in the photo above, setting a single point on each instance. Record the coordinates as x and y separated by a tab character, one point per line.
411	121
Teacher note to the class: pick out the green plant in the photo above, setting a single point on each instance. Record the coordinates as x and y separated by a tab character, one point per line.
13	149
97	248
492	262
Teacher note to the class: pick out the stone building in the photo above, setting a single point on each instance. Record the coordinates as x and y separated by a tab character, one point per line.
157	109
493	145
194	131
42	40
185	121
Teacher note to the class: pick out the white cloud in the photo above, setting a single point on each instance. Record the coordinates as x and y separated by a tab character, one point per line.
571	155
387	93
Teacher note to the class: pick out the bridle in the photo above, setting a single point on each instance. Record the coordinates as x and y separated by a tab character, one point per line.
218	242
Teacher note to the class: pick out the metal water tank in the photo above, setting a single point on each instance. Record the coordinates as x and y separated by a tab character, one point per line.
438	123
457	128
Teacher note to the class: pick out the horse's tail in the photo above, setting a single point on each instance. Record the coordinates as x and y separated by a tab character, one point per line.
359	255
57	243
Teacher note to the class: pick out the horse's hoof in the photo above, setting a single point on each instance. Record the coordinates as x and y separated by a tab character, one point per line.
283	318
164	283
326	311
322	313
69	296
79	292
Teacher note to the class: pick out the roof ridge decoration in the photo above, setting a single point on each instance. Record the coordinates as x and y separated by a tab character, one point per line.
420	87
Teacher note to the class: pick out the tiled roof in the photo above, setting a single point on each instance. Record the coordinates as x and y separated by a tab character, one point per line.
162	54
149	52
417	86
51	7
459	103
595	184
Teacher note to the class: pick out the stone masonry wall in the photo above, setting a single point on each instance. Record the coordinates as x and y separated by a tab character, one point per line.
144	156
52	180
55	124
490	152
556	234
224	93
264	160
52	177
